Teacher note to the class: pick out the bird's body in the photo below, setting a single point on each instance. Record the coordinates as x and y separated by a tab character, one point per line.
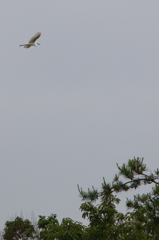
32	41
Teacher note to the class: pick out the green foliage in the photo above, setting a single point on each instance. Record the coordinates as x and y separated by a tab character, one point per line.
67	230
49	227
134	172
100	209
70	230
101	218
18	229
146	211
105	222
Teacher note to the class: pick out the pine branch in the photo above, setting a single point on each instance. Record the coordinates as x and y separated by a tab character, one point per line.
134	171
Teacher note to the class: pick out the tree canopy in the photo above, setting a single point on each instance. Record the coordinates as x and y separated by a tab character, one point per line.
141	221
18	229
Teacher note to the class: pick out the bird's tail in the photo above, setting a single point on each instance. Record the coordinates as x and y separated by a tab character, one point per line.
25	45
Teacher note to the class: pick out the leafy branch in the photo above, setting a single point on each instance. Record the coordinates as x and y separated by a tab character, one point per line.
134	171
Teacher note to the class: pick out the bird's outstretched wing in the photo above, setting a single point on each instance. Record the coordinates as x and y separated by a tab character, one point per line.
35	37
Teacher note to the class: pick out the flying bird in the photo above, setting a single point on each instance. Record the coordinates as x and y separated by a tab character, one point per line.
32	41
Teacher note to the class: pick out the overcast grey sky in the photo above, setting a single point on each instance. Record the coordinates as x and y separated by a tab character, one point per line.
72	108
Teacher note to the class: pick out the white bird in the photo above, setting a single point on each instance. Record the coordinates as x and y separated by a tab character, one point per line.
32	41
